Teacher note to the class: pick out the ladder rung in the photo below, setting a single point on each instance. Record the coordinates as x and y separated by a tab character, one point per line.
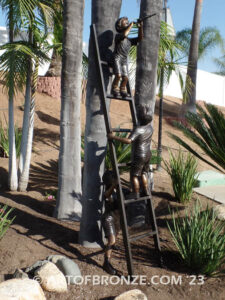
141	236
110	96
128	201
104	62
121	130
124	165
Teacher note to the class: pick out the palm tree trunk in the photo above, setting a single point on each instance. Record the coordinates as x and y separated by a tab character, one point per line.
104	16
24	177
190	96
69	174
25	121
55	67
147	54
13	180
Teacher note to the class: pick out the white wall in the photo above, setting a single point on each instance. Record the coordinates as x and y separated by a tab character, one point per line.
210	87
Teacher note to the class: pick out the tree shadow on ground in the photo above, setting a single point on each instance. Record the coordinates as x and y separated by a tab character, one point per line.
164	208
56	235
3	179
148	256
46	118
43	175
164	195
41	207
46	137
170	108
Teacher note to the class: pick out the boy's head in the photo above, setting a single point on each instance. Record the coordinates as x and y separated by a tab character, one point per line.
108	178
122	24
144	114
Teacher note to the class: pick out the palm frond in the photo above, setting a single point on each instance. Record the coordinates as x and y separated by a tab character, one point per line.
14	62
220	62
209	38
206	129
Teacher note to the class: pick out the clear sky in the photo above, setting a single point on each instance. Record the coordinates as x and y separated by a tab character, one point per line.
213	14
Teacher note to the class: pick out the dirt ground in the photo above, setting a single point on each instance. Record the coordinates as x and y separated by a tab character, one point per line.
35	234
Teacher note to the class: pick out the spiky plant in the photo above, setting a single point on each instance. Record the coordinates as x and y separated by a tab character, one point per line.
206	129
5	221
4	141
200	240
182	169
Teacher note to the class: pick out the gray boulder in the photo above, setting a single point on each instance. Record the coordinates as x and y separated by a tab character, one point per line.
132	295
70	270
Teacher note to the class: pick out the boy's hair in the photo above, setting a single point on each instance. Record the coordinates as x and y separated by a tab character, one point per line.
118	25
108	178
144	114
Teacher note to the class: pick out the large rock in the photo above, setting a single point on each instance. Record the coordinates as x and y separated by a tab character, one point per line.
220	211
55	258
21	289
20	274
51	278
70	270
31	270
132	295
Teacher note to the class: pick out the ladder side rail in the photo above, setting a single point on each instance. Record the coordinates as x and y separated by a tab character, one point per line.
154	224
124	226
132	104
101	82
113	155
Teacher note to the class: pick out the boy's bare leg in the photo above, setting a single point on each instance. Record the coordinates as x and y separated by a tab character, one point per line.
108	252
145	183
115	85
123	86
135	185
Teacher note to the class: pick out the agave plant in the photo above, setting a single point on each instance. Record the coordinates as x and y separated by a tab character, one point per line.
206	129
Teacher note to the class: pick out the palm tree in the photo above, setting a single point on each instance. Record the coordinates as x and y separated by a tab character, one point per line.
190	96
37	32
56	59
147	54
69	174
209	38
13	10
168	60
104	16
18	13
206	129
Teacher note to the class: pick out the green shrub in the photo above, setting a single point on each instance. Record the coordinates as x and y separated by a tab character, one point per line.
182	170
200	240
5	222
123	153
4	141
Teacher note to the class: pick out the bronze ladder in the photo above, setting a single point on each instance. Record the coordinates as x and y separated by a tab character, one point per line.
103	95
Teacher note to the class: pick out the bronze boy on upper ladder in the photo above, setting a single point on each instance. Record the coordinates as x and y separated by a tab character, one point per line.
121	51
